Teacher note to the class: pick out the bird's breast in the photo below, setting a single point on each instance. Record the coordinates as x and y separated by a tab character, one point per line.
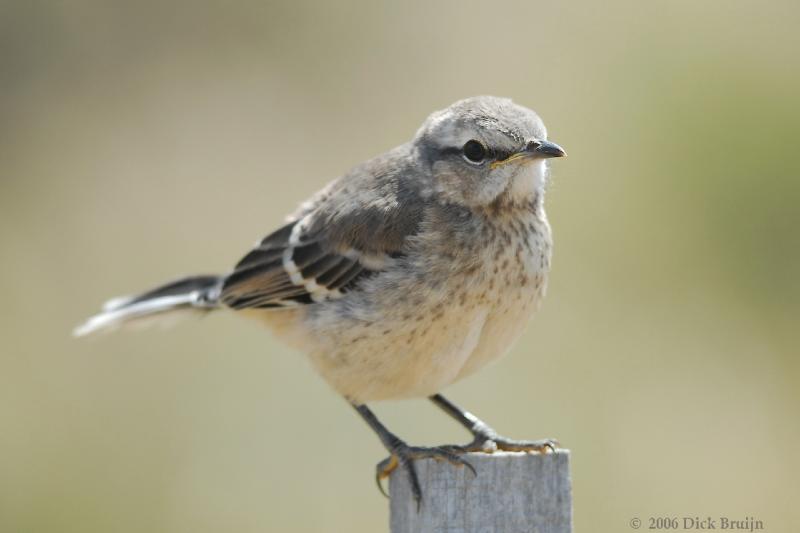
454	305
517	284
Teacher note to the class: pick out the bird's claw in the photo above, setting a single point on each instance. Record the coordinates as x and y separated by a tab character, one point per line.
403	455
383	470
492	442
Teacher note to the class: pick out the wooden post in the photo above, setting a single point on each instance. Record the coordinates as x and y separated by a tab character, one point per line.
512	493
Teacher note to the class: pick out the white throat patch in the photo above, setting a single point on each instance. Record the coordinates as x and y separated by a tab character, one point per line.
530	180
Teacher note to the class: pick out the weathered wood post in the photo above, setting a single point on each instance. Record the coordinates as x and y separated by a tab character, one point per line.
512	493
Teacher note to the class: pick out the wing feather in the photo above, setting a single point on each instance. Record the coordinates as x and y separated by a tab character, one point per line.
353	229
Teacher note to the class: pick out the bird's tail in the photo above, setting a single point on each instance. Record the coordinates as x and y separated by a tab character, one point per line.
191	295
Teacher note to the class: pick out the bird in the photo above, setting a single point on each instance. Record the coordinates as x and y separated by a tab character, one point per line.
406	274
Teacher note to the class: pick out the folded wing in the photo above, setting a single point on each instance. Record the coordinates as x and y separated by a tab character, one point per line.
355	228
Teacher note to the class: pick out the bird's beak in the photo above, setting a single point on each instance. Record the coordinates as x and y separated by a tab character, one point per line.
544	149
533	150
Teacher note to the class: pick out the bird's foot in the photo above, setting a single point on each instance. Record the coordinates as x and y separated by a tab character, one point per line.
487	440
403	456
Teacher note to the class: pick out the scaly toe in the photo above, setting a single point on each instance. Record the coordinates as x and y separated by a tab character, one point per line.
540	446
403	456
383	470
451	454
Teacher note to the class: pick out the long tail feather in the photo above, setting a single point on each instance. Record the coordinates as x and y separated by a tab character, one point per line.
192	295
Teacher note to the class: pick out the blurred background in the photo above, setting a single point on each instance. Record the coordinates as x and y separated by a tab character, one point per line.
144	140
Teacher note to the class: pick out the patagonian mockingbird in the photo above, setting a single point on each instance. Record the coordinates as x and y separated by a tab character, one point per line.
408	273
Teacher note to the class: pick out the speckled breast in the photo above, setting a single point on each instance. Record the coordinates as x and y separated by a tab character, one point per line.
516	263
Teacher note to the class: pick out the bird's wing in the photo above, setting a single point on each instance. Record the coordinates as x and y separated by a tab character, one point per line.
354	228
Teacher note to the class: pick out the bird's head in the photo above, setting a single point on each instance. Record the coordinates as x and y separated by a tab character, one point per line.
485	147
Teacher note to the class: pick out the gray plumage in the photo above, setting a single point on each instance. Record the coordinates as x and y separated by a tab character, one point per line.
413	270
417	251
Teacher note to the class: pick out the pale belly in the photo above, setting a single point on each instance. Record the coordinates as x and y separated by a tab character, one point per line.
420	358
417	340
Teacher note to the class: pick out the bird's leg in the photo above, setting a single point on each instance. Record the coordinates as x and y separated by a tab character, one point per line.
403	455
486	439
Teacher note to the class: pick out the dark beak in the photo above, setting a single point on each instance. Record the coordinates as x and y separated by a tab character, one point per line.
545	149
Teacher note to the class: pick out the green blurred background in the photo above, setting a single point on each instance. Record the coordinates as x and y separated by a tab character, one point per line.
140	141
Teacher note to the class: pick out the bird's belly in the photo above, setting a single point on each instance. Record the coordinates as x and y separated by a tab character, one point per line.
411	339
502	328
401	359
415	354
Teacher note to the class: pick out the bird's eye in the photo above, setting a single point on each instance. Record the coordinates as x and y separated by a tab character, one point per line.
474	151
